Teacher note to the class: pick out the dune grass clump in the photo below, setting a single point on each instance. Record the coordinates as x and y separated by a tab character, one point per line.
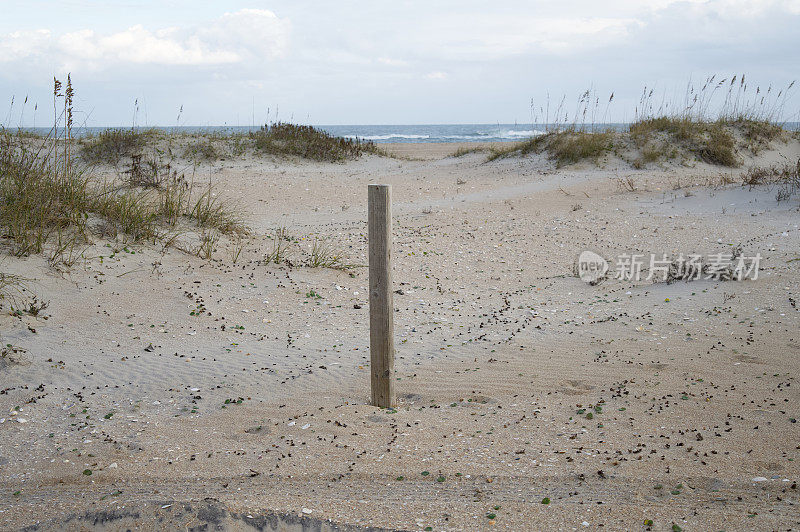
463	150
718	147
112	145
49	203
288	250
324	255
308	142
209	211
204	150
758	133
715	121
569	146
713	142
280	247
40	195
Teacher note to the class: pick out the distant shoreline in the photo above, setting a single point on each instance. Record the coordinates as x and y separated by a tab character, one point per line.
450	134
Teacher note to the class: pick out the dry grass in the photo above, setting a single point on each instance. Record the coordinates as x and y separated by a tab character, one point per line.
284	139
786	177
565	147
204	150
758	134
463	150
324	255
626	184
714	121
279	253
49	204
713	142
569	147
11	286
113	145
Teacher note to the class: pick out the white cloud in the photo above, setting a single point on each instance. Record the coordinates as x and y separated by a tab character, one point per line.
436	75
249	34
23	44
409	51
728	8
393	62
139	45
491	38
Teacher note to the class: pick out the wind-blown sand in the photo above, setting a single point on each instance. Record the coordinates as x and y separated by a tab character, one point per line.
182	384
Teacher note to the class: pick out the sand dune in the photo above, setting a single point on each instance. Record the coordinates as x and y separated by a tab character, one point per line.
158	376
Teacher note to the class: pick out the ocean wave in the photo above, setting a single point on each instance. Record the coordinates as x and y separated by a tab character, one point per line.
524	133
387	137
445	136
511	134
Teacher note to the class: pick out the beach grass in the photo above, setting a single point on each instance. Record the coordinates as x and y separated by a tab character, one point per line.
113	145
308	142
564	147
464	150
714	122
325	255
51	203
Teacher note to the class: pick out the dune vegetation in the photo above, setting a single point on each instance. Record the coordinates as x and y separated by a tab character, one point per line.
716	123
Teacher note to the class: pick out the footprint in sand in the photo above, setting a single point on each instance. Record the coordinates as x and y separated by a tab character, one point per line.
575	387
747	358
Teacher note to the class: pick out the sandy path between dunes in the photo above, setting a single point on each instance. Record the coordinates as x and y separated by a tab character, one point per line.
174	380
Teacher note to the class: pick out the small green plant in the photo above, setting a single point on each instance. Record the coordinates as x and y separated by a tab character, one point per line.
280	247
208	241
33	307
237	246
323	255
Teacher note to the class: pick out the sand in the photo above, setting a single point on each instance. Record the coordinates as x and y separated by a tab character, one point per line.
157	385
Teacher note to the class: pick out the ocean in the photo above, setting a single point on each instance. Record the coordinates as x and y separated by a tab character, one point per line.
439	132
396	133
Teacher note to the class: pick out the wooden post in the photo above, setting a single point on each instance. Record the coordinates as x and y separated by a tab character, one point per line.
381	304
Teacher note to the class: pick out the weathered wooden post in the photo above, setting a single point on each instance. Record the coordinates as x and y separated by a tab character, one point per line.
381	305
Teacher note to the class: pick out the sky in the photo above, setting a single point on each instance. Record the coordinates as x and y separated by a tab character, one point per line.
188	62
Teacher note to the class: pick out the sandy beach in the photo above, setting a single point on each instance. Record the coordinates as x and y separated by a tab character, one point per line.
161	390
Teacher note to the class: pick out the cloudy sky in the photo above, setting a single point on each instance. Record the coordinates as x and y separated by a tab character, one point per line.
379	62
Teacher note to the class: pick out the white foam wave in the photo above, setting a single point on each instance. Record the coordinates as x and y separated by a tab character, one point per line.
387	137
524	133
